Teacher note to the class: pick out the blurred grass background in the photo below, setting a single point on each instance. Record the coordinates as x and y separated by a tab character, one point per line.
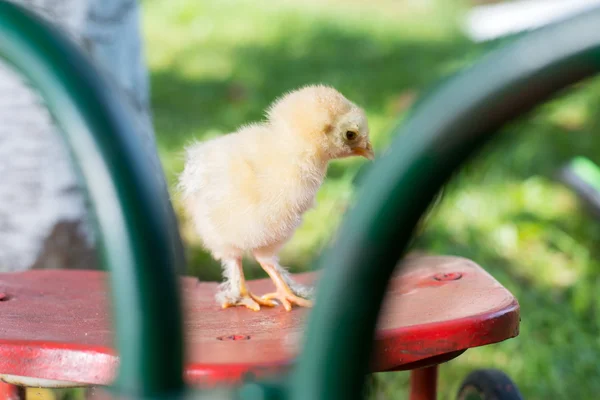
216	64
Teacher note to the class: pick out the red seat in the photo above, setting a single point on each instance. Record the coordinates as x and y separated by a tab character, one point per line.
55	325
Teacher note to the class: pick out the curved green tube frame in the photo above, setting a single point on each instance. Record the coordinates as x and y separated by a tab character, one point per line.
139	242
442	132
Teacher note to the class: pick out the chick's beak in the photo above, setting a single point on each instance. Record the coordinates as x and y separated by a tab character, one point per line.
366	152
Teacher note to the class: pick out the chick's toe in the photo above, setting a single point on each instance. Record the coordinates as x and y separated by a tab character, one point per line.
250	301
286	298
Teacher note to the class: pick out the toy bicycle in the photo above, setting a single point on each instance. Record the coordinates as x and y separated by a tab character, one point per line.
125	328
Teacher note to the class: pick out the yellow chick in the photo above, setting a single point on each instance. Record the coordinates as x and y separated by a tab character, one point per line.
246	191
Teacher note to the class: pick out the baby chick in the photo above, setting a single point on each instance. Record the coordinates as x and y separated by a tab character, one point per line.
246	191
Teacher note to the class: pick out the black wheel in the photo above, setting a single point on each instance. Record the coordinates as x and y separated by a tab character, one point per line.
488	384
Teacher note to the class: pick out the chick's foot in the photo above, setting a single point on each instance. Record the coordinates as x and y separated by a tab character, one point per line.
250	301
286	298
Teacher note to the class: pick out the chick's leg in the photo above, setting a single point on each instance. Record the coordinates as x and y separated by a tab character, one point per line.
288	292
234	292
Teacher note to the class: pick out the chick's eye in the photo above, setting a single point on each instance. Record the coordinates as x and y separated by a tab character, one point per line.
350	135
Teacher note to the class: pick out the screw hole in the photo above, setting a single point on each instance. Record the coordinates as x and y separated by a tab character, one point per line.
447	276
233	337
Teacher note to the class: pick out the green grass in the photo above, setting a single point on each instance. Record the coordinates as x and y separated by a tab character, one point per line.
216	64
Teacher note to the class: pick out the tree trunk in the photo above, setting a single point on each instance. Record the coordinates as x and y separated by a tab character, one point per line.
43	220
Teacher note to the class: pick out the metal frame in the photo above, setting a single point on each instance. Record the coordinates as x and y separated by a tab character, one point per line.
138	239
443	131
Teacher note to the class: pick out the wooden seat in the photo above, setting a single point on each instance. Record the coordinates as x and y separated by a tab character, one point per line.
55	328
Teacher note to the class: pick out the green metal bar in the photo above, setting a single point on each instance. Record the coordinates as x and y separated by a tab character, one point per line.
442	132
130	205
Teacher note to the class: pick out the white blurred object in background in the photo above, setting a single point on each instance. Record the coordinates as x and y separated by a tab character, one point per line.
43	213
492	21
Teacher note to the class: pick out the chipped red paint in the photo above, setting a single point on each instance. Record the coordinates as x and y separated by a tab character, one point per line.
56	325
58	361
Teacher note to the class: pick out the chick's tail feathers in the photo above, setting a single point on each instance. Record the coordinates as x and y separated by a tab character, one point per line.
191	175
